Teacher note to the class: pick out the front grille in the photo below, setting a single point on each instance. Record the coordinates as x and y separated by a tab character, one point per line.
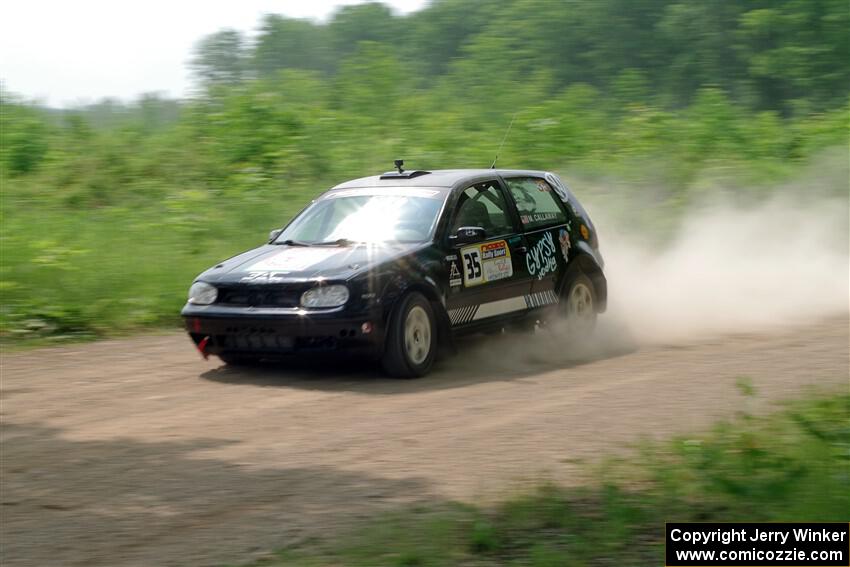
255	340
259	296
262	339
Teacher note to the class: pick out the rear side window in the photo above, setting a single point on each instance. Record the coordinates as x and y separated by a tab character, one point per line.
536	202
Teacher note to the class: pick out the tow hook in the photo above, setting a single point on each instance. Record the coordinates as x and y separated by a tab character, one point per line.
202	347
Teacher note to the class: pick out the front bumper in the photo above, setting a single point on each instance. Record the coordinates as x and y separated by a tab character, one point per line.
281	331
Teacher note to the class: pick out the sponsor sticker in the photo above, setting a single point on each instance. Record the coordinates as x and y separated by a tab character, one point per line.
293	259
564	240
541	259
559	187
538	217
455	277
487	262
384	191
264	277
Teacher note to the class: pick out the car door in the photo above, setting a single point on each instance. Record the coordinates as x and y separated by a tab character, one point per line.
548	230
489	279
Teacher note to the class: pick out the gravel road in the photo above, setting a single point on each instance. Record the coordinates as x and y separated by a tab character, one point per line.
137	452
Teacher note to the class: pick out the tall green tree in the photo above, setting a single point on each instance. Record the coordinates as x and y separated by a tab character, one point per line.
372	21
221	59
286	43
797	49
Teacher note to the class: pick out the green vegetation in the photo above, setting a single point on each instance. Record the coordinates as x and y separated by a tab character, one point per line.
792	466
109	211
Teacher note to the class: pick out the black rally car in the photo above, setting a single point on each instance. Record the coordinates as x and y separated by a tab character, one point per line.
397	264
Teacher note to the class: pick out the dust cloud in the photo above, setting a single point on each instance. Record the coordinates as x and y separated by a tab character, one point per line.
729	269
729	265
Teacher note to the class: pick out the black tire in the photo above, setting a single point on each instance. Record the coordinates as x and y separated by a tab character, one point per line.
232	359
578	308
404	355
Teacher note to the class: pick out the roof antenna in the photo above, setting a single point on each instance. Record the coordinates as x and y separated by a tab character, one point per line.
398	163
505	137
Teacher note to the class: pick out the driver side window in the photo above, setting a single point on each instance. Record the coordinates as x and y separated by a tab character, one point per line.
483	205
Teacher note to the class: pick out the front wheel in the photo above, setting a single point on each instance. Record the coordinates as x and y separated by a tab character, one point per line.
412	338
578	305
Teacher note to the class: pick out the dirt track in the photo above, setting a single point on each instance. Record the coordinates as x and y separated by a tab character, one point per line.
136	452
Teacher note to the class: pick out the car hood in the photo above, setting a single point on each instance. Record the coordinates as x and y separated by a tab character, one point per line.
282	263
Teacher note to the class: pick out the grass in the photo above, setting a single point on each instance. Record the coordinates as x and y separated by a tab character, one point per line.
793	465
71	274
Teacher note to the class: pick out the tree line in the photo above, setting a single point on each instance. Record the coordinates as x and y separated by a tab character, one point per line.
782	55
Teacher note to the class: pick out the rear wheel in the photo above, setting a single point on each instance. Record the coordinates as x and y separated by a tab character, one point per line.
578	305
411	339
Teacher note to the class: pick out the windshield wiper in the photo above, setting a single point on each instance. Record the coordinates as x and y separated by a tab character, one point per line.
290	242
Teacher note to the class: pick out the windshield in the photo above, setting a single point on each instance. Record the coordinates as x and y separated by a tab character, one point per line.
367	215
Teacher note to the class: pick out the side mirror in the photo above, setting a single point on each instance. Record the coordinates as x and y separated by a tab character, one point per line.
468	235
274	234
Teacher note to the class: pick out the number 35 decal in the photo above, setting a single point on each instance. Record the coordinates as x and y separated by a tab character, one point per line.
472	260
486	262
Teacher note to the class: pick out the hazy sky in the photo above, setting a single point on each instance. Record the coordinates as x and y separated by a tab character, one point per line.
65	52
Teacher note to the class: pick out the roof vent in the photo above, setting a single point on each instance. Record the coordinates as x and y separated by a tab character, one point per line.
404	175
401	173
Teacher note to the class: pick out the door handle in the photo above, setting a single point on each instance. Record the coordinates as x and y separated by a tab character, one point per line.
522	249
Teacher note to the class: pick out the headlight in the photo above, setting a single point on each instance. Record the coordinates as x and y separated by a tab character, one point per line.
202	293
325	296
